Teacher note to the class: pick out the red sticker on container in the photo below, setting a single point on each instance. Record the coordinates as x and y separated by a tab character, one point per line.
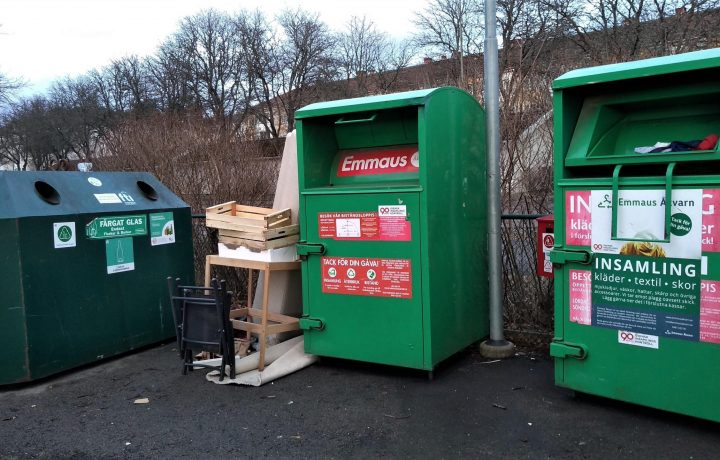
348	225
578	220
710	311
581	296
388	224
367	277
371	162
711	220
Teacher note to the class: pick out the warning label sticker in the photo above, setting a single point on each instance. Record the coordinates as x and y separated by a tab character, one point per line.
367	277
388	224
548	241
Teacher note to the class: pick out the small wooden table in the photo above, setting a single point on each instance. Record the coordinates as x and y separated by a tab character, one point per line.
281	323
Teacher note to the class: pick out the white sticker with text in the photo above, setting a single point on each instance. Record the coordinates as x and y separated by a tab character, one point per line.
107	198
637	339
397	210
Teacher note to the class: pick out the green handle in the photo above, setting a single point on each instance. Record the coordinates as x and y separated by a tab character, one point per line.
562	350
307	324
561	256
306	249
343	121
616	198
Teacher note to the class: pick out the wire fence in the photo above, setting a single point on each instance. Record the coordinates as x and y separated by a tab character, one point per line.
528	303
528	297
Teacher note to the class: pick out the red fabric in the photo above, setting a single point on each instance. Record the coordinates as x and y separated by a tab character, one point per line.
708	143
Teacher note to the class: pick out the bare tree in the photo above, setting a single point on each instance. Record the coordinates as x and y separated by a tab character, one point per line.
76	115
209	45
451	28
170	79
620	30
305	57
369	60
13	144
261	55
28	138
8	86
361	48
123	86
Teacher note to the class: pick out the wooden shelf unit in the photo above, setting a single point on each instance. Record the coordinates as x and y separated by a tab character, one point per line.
270	323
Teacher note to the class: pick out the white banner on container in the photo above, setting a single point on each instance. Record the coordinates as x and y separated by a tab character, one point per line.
641	216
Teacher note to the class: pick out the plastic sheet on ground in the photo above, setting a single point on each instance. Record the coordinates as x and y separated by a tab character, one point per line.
280	360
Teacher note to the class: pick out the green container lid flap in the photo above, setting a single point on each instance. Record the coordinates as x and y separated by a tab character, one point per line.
360	104
637	69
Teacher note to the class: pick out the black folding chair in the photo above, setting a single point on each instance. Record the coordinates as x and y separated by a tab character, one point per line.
202	323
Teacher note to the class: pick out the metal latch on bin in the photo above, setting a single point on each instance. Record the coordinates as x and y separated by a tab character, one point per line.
615	201
307	324
563	256
567	350
305	249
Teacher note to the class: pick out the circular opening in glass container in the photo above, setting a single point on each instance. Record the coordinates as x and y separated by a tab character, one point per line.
147	190
47	192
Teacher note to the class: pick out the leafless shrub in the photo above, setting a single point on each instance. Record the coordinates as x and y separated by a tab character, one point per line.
528	297
202	163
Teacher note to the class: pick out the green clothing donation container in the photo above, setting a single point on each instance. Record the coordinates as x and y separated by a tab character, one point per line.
637	232
84	260
393	226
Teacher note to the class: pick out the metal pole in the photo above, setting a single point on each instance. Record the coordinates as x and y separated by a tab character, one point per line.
496	346
462	69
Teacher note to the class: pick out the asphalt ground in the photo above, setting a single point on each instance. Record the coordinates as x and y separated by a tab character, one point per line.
336	409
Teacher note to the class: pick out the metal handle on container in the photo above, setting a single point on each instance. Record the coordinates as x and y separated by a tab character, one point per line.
343	121
304	249
564	256
616	199
308	324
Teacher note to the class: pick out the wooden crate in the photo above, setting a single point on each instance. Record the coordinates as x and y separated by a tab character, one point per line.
237	217
252	227
261	235
230	239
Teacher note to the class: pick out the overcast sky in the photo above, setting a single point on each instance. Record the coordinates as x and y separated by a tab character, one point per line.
41	40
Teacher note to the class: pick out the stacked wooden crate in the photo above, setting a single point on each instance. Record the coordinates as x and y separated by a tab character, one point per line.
252	227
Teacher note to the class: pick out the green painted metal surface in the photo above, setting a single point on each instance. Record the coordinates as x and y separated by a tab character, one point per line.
678	63
392	222
638	320
361	104
62	304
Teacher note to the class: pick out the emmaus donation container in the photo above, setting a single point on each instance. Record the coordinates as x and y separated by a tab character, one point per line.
393	226
84	260
637	232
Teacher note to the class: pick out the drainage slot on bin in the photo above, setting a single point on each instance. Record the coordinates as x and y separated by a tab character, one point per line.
47	192
147	190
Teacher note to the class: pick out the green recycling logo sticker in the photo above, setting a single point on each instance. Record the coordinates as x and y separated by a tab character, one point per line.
64	235
371	274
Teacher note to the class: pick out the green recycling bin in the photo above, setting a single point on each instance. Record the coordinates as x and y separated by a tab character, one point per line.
84	262
393	226
637	232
